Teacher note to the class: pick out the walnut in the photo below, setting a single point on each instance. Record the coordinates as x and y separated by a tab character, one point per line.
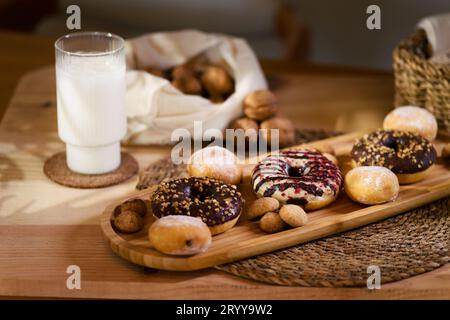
249	126
217	81
128	222
182	71
155	72
136	205
286	131
188	85
260	105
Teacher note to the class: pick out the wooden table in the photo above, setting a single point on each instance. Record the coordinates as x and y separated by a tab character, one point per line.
36	249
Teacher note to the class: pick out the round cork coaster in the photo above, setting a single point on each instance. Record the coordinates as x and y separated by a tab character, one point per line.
56	169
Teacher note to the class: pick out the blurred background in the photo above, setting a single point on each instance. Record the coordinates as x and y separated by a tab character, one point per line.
319	31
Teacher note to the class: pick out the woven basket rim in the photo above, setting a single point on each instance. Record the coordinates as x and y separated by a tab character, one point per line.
403	49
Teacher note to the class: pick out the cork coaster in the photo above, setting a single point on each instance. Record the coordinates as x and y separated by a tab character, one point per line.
56	169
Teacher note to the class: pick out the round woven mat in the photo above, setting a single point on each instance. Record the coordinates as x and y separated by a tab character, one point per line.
403	246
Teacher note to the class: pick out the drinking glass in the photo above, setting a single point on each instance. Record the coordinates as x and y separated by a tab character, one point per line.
90	87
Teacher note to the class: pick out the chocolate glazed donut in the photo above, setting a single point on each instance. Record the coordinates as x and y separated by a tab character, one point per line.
216	203
406	154
303	177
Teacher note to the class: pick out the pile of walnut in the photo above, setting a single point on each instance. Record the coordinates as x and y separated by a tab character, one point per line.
210	81
274	219
260	109
129	216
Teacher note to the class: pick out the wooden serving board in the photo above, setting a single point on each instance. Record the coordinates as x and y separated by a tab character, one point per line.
247	240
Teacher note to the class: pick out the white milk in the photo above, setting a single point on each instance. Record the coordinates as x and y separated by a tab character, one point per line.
91	111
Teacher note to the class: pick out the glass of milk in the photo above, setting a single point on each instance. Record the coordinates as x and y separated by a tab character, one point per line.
90	86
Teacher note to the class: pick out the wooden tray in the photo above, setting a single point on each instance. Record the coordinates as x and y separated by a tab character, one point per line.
246	239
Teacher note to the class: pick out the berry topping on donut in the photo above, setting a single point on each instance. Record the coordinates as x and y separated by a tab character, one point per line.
302	177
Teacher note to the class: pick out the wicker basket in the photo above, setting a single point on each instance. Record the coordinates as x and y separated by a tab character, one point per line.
420	82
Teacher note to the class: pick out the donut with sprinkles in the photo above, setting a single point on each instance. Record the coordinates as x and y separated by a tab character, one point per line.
408	155
218	204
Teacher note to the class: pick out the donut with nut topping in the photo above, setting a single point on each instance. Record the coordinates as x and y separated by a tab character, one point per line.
218	204
406	154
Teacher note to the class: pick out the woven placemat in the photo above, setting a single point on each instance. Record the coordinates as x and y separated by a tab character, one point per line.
403	246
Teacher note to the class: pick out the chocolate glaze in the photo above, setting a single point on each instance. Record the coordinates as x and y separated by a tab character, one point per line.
213	201
401	152
279	173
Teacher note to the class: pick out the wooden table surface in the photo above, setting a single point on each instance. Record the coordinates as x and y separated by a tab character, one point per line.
34	253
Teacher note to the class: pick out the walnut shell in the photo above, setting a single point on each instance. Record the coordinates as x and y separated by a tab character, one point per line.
136	205
188	85
285	127
249	126
182	71
217	81
155	72
128	222
260	105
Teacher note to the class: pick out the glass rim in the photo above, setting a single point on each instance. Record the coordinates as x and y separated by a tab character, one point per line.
89	33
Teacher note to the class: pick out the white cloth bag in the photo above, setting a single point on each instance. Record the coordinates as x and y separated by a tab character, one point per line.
437	28
155	108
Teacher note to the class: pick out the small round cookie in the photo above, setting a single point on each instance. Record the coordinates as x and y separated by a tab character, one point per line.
412	119
371	185
293	215
286	133
128	222
446	152
215	162
271	222
261	206
260	105
179	235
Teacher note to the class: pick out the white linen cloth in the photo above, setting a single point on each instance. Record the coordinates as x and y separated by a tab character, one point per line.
437	28
155	108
